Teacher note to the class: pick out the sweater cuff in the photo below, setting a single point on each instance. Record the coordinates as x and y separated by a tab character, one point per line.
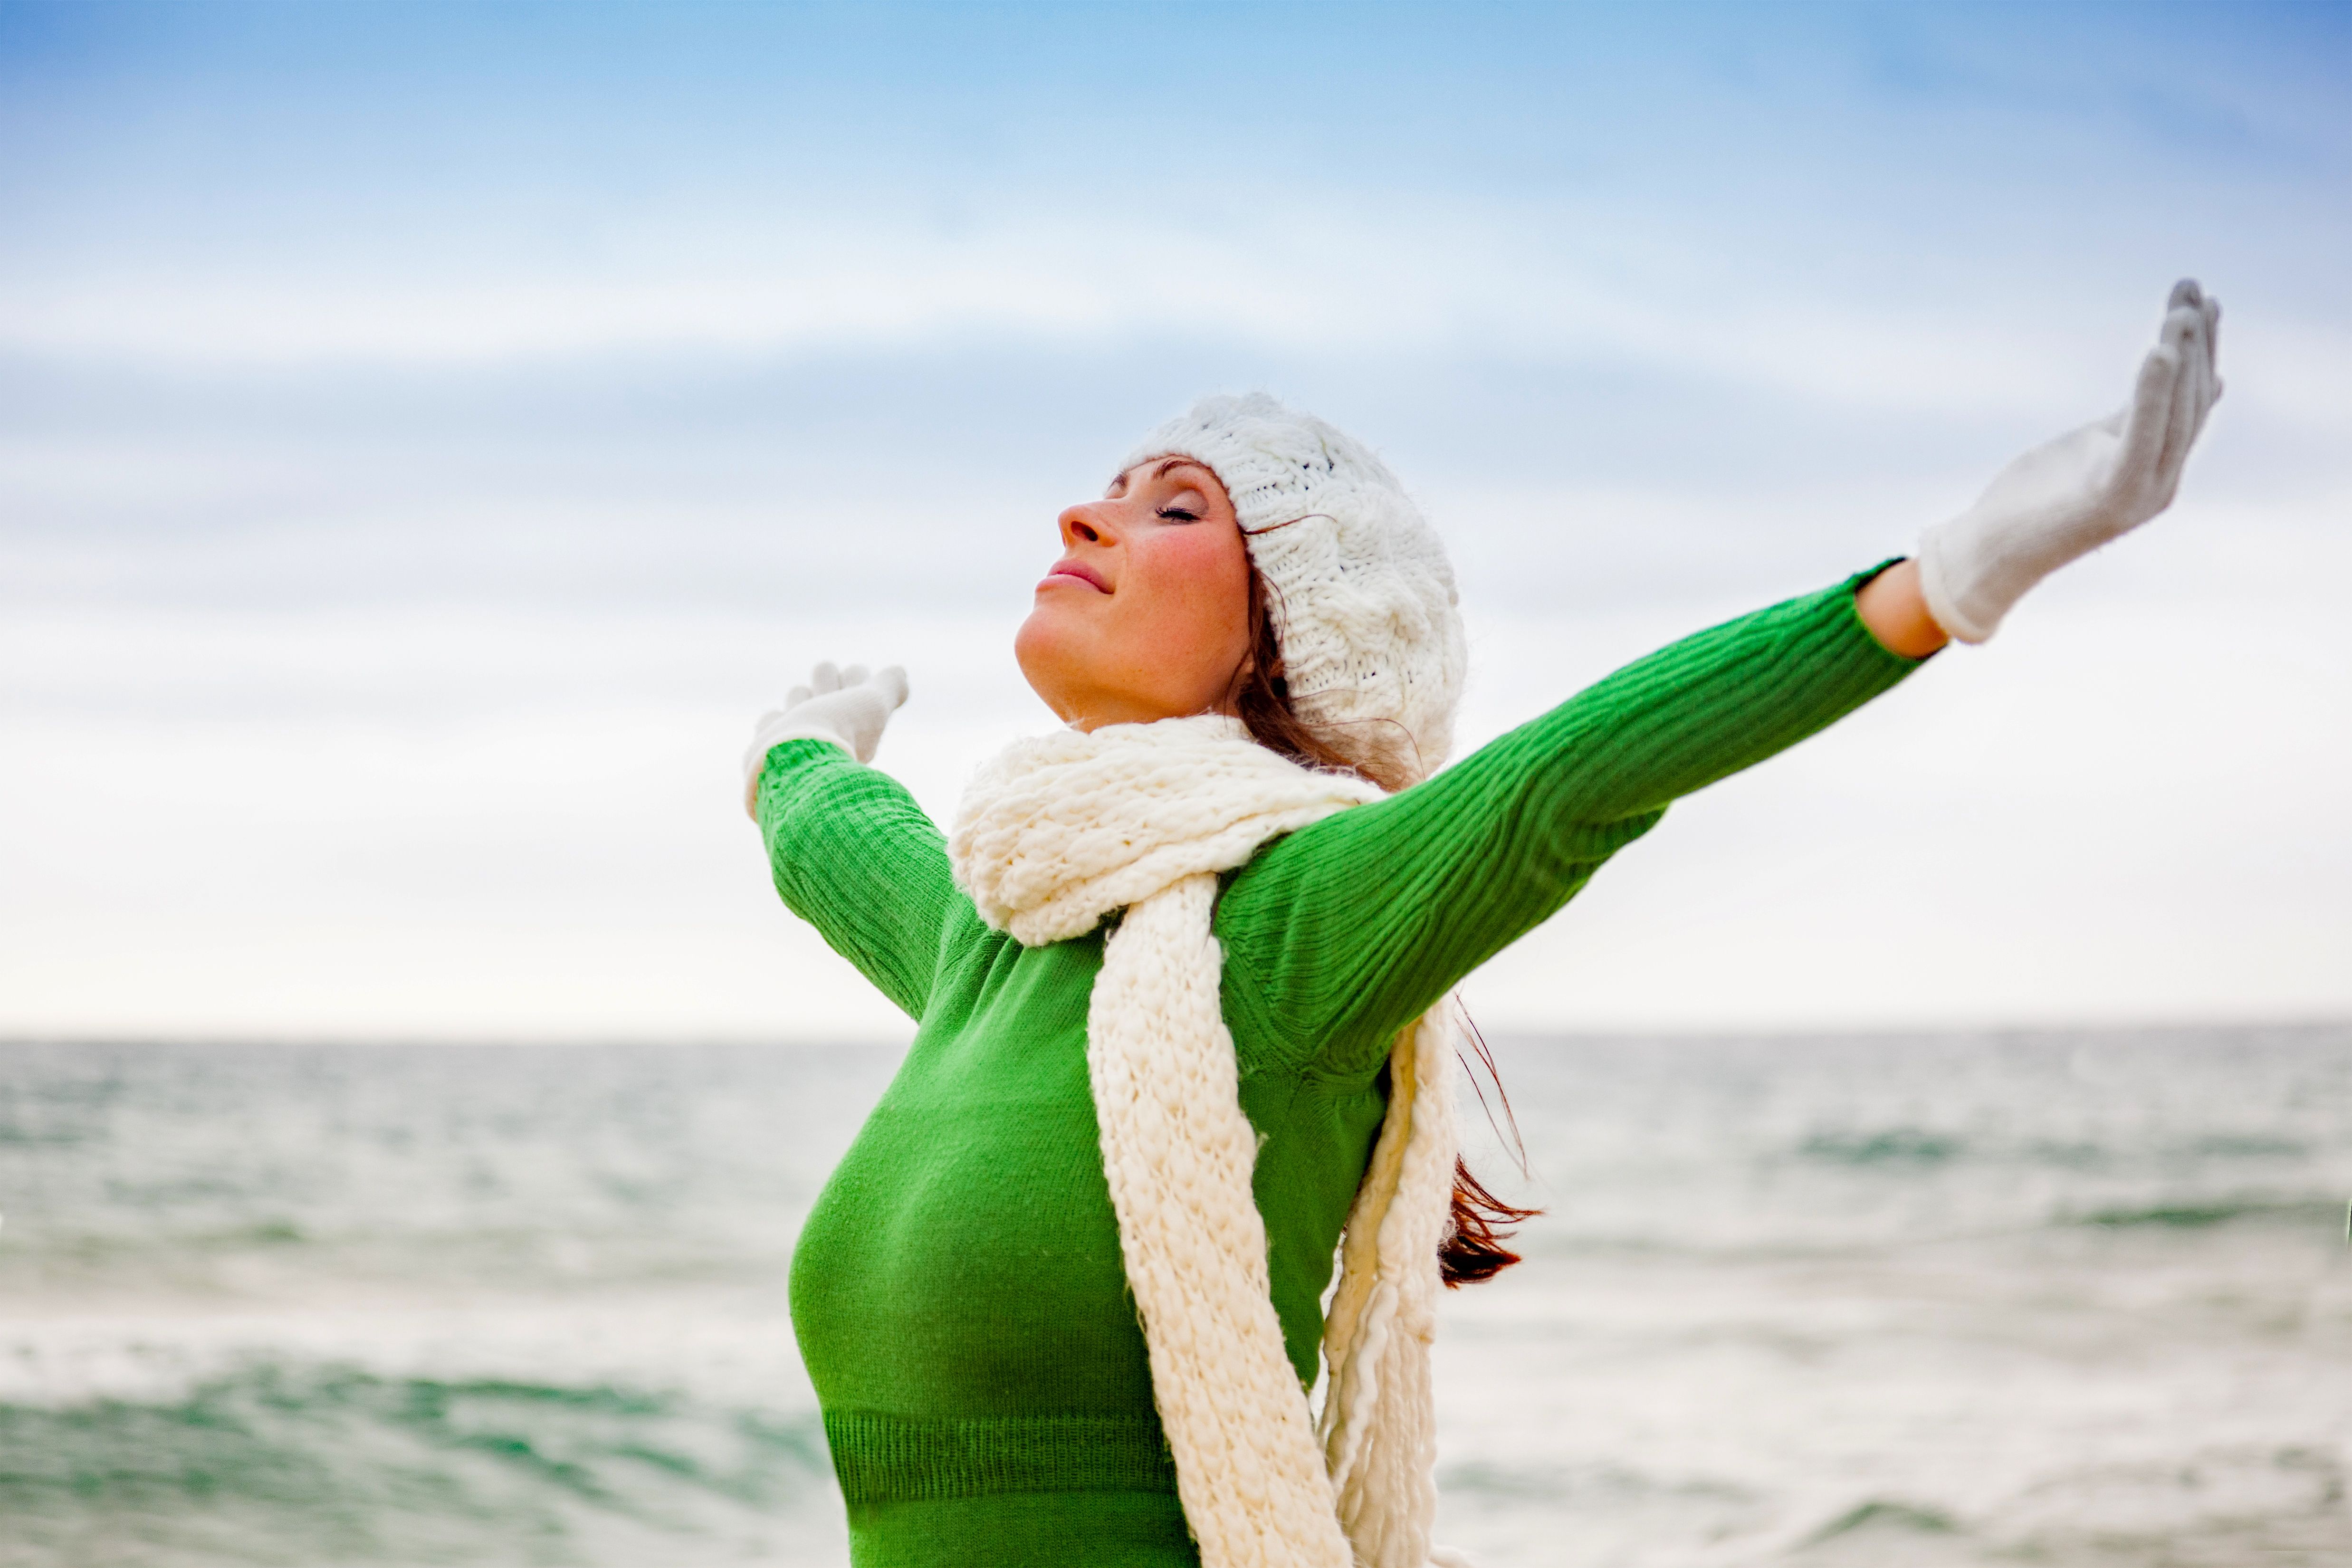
784	756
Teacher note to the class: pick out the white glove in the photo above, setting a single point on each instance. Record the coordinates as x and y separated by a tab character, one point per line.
2074	494
845	707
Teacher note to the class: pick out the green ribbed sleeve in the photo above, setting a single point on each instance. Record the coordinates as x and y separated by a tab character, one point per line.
1339	935
855	857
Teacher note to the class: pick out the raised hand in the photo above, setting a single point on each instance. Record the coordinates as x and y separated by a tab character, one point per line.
847	707
2068	496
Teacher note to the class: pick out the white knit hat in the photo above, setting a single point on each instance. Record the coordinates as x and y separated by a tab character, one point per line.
1364	601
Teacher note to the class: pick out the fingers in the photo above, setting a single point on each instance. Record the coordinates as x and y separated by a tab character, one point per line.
881	694
2187	296
2145	420
2213	357
2184	334
889	682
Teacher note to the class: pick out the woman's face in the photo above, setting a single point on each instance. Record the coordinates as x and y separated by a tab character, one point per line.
1145	616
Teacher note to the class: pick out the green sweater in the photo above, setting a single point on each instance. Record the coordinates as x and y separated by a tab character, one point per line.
957	1291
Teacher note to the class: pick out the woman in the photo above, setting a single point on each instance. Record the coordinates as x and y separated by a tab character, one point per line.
1181	979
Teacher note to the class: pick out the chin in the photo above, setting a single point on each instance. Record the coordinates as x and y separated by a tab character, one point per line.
1046	647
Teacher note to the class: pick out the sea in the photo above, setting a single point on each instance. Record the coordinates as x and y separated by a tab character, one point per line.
2059	1299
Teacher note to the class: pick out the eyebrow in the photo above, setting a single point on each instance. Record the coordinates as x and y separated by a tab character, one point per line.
1167	465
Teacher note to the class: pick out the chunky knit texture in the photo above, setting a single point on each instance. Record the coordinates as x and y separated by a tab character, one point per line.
959	1292
1379	1423
1063	830
1364	604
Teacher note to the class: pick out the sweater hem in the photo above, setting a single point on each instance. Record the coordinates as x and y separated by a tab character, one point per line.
883	1458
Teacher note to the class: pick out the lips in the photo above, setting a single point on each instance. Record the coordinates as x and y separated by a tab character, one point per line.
1080	572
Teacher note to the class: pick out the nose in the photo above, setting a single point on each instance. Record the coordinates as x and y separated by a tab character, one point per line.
1088	523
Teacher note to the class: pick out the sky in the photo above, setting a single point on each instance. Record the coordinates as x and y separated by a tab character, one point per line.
431	433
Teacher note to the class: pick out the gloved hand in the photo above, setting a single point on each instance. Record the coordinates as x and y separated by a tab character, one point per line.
847	707
2074	494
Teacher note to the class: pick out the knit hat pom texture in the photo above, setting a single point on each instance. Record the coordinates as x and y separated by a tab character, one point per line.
1364	601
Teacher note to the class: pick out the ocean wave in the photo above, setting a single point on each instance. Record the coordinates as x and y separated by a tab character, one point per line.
360	1307
1619	1482
1898	1146
269	1256
2200	1506
2200	1214
1882	1517
301	1464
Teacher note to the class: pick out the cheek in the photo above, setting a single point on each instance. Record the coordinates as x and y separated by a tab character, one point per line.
1199	582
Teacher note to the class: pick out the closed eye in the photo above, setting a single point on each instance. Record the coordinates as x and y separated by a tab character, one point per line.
1178	514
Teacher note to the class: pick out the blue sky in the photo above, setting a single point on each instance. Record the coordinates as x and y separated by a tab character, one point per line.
428	433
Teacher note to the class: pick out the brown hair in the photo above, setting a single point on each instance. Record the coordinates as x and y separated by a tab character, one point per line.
1472	1250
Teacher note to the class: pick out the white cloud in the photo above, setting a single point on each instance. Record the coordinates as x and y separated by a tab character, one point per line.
1419	274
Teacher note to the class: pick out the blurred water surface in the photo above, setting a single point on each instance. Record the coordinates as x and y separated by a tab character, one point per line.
2071	1298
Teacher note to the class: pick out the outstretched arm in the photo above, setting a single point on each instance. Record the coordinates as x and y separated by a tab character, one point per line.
1343	932
1345	929
850	851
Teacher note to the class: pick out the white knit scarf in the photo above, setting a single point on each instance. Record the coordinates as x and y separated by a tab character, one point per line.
1053	835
